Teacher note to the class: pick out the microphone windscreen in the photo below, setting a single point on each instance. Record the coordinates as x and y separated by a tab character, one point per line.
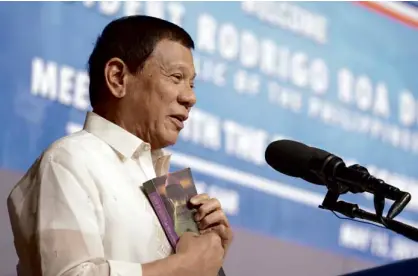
295	159
289	157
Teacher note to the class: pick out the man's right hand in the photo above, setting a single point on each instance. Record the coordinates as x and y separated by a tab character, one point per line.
203	254
196	255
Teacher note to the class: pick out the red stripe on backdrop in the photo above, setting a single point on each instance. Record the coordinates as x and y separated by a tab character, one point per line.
376	7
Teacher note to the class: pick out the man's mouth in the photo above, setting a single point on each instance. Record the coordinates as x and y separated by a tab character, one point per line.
180	117
178	120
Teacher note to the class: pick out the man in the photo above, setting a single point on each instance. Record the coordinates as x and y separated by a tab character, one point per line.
79	210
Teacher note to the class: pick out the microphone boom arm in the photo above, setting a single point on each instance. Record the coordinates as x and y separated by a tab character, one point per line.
353	211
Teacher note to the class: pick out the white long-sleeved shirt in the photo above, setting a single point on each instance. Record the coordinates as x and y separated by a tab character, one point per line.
79	210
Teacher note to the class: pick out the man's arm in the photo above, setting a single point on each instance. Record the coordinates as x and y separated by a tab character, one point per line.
69	214
172	265
69	230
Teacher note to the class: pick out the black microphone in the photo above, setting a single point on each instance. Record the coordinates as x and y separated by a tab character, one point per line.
323	168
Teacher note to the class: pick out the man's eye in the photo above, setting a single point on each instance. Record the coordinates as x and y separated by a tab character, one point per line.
177	77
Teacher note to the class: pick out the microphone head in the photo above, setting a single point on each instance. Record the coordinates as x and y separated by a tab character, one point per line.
295	159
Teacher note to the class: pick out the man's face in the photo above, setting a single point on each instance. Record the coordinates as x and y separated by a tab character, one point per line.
160	96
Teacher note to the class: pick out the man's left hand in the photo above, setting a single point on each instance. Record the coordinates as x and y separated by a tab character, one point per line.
211	217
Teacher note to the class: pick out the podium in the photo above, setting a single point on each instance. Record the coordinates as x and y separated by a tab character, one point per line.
401	268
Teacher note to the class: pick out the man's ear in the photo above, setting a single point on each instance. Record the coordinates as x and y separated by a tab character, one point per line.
116	73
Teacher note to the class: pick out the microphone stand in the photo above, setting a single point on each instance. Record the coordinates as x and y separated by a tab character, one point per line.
353	211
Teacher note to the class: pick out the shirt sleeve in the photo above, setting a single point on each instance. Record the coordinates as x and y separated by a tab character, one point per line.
70	218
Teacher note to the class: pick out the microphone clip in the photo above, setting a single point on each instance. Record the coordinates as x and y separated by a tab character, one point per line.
328	173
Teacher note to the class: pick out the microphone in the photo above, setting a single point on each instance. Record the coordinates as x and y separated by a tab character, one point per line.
323	168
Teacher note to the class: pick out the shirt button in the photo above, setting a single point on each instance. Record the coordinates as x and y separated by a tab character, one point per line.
146	147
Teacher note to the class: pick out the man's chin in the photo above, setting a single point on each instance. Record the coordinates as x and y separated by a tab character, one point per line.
170	139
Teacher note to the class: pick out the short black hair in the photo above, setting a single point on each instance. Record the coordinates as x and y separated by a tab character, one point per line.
132	39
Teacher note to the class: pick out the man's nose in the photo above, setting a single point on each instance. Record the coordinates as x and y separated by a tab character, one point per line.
187	98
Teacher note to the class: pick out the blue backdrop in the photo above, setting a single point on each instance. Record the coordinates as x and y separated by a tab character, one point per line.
333	75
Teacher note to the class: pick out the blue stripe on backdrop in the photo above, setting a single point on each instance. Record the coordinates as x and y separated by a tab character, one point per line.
330	74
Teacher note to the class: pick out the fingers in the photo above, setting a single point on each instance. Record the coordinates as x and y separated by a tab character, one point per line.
224	234
214	218
199	199
211	219
221	230
207	206
214	236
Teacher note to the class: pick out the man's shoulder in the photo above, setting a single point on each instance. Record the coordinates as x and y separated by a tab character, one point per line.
78	150
69	151
72	145
64	150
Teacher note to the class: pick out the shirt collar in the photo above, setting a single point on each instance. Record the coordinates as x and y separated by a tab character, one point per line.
121	140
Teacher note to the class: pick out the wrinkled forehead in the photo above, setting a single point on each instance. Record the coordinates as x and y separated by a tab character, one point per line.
173	55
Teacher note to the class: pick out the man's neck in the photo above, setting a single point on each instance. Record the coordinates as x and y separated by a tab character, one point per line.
112	114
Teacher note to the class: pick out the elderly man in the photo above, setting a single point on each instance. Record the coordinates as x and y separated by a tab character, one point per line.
79	210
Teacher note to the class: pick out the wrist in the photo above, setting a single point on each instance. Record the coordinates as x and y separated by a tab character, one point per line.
184	263
175	265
